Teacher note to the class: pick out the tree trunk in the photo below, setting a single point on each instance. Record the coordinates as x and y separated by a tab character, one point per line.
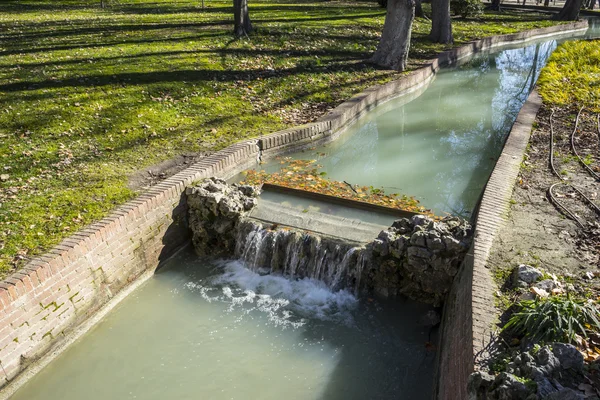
495	6
392	51
241	21
419	9
570	11
441	24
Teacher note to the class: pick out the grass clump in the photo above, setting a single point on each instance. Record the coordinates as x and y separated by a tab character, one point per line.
554	319
572	76
90	96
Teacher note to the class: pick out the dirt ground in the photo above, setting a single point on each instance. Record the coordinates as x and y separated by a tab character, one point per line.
539	232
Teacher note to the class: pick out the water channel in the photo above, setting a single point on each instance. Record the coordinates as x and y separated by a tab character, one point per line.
442	146
212	329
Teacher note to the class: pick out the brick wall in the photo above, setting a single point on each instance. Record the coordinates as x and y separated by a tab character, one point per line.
469	313
56	291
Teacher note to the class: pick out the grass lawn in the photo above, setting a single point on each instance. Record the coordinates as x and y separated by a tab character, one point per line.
89	96
571	78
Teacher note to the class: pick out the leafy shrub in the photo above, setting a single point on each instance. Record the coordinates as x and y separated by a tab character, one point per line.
554	319
466	8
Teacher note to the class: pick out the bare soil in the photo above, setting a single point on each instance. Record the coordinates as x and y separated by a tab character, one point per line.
563	241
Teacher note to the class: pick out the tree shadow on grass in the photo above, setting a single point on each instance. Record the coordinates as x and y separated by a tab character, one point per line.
8	6
281	7
20	39
145	78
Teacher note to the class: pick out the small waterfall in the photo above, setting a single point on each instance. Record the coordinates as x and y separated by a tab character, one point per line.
300	255
363	258
340	270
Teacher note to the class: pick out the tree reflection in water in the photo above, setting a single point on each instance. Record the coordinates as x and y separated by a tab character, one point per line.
442	146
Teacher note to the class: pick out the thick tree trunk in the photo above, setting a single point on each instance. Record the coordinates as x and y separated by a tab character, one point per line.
392	51
495	6
441	24
241	20
419	9
570	11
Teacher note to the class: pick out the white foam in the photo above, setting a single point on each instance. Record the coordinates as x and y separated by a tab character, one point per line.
286	303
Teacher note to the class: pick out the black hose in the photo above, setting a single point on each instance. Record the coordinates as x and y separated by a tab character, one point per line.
589	170
552	148
565	210
551	196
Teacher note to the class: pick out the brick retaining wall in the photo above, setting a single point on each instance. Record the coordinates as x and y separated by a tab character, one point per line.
469	312
41	303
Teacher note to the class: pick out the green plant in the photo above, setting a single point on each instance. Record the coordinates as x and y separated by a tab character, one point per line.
588	160
555	318
499	364
467	8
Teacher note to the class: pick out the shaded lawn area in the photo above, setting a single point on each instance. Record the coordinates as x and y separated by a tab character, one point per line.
89	96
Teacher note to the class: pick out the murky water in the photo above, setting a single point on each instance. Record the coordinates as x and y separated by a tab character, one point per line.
442	146
215	330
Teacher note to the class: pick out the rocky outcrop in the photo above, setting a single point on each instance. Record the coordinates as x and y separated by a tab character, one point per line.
419	257
416	257
553	372
215	210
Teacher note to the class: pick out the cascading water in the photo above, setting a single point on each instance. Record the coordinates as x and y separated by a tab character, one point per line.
300	255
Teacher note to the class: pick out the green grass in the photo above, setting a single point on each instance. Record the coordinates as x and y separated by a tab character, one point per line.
89	96
572	76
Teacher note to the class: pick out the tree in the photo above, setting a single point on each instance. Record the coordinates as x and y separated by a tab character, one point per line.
441	24
419	9
241	20
495	6
392	51
570	11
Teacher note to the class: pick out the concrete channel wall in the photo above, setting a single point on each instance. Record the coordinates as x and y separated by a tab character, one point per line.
469	312
43	304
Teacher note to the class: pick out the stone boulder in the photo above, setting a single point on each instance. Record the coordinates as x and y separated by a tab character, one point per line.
420	256
215	209
524	275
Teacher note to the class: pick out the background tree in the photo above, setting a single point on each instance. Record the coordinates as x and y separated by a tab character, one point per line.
419	9
392	51
570	11
241	20
495	5
441	24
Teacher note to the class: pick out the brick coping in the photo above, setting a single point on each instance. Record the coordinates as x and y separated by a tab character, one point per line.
32	281
492	215
470	313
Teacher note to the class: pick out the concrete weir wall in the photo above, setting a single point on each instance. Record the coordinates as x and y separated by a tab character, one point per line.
42	304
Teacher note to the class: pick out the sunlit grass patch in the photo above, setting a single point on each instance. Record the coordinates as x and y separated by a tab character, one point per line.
572	76
90	96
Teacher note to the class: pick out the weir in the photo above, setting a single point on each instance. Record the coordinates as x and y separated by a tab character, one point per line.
416	257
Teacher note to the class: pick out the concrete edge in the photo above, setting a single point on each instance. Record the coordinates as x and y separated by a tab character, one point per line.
491	217
230	161
469	317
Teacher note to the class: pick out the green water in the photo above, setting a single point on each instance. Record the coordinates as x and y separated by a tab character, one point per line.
442	146
214	330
